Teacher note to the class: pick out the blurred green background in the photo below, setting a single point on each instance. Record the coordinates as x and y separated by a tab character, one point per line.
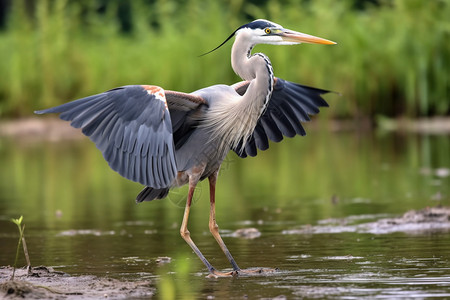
392	57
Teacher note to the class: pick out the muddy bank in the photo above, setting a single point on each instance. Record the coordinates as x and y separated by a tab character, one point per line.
54	129
412	222
46	283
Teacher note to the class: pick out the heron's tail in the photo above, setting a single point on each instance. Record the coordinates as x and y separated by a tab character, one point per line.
149	194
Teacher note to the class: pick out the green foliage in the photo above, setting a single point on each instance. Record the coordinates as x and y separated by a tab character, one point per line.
391	59
18	222
175	280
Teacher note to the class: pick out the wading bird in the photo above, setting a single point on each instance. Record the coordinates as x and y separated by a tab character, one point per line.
164	139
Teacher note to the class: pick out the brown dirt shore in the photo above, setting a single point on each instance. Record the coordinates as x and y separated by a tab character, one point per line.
54	129
46	283
413	222
34	128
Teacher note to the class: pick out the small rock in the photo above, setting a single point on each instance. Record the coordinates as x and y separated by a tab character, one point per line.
247	233
163	260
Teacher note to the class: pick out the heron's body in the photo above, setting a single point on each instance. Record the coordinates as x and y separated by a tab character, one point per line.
165	139
204	135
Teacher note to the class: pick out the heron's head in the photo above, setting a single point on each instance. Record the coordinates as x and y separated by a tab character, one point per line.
266	32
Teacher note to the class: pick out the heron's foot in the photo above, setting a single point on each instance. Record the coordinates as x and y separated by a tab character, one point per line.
256	271
217	274
246	272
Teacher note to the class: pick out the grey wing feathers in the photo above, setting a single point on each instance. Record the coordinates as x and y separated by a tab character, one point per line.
182	101
289	105
182	108
181	105
132	127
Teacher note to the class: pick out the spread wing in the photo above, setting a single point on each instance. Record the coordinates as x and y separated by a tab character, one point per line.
289	105
132	127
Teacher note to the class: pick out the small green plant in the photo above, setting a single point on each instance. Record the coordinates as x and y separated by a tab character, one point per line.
175	280
21	227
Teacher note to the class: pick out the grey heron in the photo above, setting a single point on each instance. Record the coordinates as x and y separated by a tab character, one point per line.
164	139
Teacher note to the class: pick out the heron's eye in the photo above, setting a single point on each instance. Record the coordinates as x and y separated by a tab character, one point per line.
267	31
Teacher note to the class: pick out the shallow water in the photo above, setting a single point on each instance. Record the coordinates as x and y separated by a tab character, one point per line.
81	218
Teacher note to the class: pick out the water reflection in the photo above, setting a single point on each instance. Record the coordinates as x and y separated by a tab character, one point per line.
81	217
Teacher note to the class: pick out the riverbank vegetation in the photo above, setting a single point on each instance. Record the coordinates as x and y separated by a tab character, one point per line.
392	57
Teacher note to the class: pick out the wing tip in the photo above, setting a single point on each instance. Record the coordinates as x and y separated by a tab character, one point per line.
45	111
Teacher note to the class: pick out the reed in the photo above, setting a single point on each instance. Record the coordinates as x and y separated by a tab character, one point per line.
392	59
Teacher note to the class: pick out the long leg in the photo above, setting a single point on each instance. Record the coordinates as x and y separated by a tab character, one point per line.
185	232
213	227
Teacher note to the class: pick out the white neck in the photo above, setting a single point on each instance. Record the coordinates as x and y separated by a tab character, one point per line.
234	121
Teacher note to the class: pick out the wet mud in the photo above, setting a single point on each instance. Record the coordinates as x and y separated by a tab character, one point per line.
46	283
429	219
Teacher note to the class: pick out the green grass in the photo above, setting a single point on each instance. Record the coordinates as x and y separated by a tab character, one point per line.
392	59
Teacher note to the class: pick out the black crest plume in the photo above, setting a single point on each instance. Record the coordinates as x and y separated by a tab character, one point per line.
223	43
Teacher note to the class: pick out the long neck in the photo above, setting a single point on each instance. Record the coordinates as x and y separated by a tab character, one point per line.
258	70
255	68
235	119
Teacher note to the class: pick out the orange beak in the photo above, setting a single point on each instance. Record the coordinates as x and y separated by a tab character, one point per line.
298	37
